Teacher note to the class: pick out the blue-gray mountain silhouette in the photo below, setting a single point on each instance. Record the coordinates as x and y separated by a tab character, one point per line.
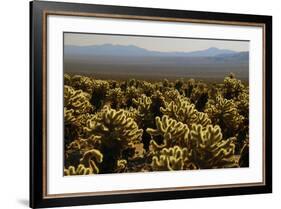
131	50
109	61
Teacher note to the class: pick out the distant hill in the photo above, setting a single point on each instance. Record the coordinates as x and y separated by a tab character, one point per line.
131	50
122	61
210	52
238	57
108	50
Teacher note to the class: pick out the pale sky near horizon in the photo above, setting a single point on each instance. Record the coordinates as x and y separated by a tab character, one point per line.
162	44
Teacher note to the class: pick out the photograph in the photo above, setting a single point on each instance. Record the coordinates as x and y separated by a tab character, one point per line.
133	104
150	103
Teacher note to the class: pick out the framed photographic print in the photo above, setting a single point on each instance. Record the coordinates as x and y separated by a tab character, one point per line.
139	104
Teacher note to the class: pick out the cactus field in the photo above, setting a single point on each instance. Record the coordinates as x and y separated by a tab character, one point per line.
132	125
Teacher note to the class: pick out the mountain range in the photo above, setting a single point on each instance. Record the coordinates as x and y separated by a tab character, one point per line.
120	62
131	50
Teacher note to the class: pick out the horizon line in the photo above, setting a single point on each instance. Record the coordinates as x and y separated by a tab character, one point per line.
76	45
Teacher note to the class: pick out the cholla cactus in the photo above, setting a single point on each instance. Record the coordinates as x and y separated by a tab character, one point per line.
113	125
121	166
143	104
100	89
84	150
199	95
188	125
133	113
171	95
183	111
145	117
88	164
74	125
172	132
209	150
115	98
78	147
131	82
205	146
224	113
203	119
179	84
91	158
232	87
170	159
77	100
69	117
242	103
76	107
82	82
80	170
83	145
166	84
147	88
117	133
132	93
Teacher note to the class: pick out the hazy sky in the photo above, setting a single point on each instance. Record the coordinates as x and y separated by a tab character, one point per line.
154	43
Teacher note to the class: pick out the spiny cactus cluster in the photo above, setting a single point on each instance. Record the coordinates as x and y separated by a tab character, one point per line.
115	126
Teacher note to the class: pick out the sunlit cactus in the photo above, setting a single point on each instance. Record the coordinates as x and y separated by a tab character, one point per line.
242	103
133	113
82	82
203	119
166	83
170	159
77	100
91	159
224	113
84	145
69	117
131	82
121	166
117	132
117	126
182	110
232	87
147	88
199	95
214	90
80	170
132	93
114	125
145	116
76	107
74	125
143	104
100	89
115	98
209	149
205	146
171	95
76	149
171	131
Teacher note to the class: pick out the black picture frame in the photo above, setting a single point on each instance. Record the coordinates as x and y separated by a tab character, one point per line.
38	12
